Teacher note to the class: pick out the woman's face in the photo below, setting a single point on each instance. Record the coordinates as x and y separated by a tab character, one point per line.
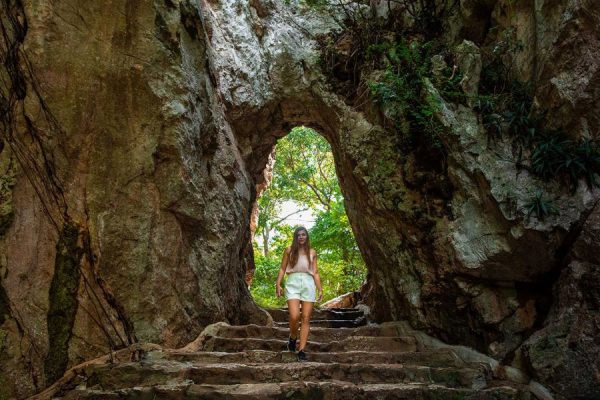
302	235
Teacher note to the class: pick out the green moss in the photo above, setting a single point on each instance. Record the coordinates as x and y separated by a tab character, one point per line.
398	91
5	221
5	388
540	206
4	305
452	379
62	302
7	181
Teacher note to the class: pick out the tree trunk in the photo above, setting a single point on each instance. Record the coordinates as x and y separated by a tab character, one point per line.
265	237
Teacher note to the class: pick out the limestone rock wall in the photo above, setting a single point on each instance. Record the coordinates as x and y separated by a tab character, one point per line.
112	112
450	250
565	351
143	130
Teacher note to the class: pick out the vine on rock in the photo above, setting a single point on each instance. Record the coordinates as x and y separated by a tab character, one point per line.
30	143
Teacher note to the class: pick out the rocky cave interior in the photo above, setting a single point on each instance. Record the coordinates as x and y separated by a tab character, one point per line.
126	214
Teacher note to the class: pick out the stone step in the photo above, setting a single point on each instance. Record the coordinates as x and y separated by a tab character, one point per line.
131	374
318	334
327	389
365	343
330	323
430	358
248	362
281	314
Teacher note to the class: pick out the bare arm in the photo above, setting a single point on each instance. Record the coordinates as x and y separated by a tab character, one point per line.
284	263
317	278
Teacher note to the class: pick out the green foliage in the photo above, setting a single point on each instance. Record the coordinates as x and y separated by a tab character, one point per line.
5	312
555	155
506	106
587	160
333	235
501	97
7	181
263	283
346	53
399	91
507	109
540	207
304	169
370	43
338	279
449	86
304	172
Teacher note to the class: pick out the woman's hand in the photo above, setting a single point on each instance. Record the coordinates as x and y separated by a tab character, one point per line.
317	277
282	268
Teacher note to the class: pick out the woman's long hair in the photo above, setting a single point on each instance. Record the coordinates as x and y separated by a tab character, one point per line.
296	246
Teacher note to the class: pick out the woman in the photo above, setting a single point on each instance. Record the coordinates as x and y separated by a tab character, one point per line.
300	264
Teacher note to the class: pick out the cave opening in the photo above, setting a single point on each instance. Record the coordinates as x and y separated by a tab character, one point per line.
301	188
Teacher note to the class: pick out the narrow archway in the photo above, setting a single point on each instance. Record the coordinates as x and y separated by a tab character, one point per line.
301	188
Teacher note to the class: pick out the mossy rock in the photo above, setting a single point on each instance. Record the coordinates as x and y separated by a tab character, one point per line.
5	221
63	302
7	182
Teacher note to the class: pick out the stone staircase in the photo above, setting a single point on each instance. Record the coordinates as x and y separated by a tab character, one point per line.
347	359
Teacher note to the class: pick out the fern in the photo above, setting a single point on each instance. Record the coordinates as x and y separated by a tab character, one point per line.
556	156
539	206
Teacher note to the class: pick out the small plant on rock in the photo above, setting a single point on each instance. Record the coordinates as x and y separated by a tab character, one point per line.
399	90
587	161
506	108
556	156
540	206
548	155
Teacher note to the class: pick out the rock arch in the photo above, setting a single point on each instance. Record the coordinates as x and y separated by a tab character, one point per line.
167	115
447	247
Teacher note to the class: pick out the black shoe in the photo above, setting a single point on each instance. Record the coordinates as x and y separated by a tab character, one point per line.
301	355
291	345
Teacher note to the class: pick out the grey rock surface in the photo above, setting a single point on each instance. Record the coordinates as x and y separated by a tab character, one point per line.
153	125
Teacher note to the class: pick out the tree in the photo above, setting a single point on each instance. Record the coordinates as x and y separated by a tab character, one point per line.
304	172
304	169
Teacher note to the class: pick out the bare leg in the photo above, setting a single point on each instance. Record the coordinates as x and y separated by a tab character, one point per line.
307	308
294	314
